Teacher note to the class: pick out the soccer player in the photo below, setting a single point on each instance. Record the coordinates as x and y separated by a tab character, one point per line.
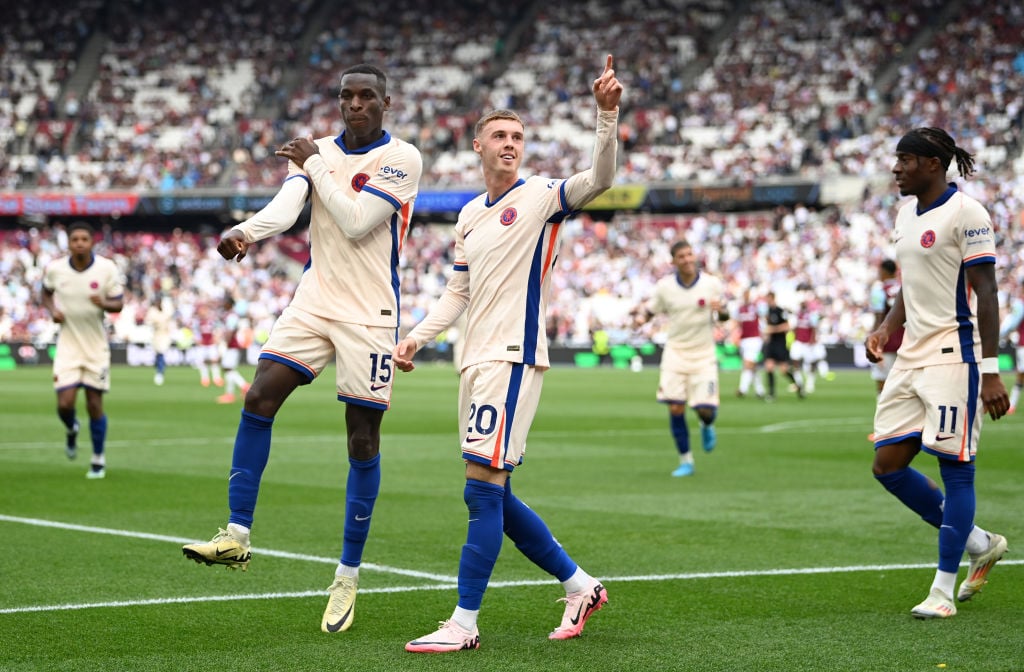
692	300
776	349
362	185
159	320
1014	321
807	353
748	316
505	245
883	295
946	373
237	337
78	290
208	346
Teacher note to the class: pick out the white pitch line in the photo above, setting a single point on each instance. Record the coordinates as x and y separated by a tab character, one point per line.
492	584
446	582
37	522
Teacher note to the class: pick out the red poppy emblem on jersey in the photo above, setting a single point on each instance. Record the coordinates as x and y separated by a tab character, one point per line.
928	238
94	285
700	302
508	216
359	180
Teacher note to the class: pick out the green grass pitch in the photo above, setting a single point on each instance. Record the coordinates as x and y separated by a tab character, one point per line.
780	553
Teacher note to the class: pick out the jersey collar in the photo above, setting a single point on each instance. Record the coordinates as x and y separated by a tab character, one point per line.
682	284
946	195
385	138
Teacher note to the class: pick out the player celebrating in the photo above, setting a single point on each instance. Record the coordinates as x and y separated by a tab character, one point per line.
362	185
77	291
946	373
505	244
692	300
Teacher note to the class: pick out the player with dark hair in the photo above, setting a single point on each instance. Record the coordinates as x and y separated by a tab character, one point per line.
946	373
776	349
693	302
362	185
78	290
505	246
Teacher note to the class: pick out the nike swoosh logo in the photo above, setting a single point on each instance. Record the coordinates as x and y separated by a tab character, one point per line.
221	553
374	388
586	608
362	518
939	437
335	627
476	440
237	473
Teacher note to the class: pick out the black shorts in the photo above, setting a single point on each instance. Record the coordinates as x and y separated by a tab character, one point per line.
777	351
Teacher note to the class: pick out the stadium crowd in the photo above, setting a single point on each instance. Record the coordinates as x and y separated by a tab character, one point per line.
154	95
145	94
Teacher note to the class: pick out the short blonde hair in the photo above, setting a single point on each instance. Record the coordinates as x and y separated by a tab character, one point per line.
493	115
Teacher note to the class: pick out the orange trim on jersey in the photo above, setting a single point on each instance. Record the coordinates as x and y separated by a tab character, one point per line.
979	256
301	363
917	430
406	216
551	251
374	400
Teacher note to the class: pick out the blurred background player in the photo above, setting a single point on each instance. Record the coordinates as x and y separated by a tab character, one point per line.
748	317
237	337
158	318
208	346
807	353
1014	322
776	348
883	295
78	290
692	301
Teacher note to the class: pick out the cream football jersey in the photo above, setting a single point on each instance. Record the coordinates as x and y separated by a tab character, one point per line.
934	249
690	342
83	334
356	281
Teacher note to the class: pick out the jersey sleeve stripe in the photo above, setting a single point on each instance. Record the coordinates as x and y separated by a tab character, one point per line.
983	258
387	196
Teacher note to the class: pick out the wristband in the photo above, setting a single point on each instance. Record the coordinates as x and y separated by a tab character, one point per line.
990	365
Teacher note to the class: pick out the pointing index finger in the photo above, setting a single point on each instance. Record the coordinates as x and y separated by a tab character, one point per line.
608	64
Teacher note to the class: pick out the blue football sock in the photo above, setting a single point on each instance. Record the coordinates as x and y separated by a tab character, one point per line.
680	432
913	489
67	417
98	432
533	538
161	363
360	495
957	514
483	541
252	450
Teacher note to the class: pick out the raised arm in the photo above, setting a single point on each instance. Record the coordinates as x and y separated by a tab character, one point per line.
583	187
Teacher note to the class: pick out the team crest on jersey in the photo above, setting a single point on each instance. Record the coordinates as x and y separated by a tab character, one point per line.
508	216
359	180
927	238
94	285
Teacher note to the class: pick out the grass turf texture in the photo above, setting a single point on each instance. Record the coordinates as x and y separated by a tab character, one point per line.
780	553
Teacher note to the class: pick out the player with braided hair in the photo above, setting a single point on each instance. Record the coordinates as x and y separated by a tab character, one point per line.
946	373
